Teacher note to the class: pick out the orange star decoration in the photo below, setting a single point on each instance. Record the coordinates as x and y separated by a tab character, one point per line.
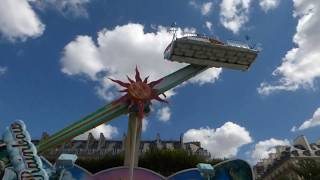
139	93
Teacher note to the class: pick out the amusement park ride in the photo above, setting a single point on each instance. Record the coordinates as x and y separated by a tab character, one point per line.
201	52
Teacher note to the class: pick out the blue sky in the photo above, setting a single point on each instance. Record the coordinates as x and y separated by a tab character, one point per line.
53	54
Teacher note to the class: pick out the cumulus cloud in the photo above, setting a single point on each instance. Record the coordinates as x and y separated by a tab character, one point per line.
18	21
81	56
223	142
145	124
3	70
116	52
300	66
204	8
74	8
108	131
234	14
312	122
209	25
164	114
206	77
262	149
267	5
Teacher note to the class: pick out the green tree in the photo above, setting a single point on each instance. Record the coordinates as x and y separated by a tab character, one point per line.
165	162
308	169
96	165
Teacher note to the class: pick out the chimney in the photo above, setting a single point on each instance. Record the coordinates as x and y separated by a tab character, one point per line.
90	140
124	139
158	137
158	141
181	138
102	141
44	136
182	146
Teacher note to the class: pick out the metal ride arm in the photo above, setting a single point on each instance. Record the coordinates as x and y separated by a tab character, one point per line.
111	111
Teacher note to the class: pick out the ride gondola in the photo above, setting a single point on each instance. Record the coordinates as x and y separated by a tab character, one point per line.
202	50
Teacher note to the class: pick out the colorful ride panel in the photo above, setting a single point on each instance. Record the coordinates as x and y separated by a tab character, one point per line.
228	170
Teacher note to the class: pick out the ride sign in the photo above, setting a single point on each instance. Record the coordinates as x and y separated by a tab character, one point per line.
22	153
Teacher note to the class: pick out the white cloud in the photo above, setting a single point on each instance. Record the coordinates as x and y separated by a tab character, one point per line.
74	8
314	121
267	5
262	149
171	92
209	25
300	66
194	4
204	8
81	56
118	51
145	124
164	114
18	21
3	70
108	131
208	76
221	142
234	14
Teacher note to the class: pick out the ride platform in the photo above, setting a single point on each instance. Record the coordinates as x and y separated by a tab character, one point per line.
202	50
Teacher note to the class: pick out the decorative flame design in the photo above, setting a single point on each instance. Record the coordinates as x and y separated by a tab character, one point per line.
139	93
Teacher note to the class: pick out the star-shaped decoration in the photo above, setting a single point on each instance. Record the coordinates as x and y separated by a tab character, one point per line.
138	93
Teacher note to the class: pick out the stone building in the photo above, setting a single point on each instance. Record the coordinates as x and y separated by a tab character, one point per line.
286	158
97	148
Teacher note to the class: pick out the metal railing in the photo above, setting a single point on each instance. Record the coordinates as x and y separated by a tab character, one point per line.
238	44
204	36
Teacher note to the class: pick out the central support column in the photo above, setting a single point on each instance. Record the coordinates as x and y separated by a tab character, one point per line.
133	142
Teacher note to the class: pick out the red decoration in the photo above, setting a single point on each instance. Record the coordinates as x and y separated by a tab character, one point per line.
138	93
